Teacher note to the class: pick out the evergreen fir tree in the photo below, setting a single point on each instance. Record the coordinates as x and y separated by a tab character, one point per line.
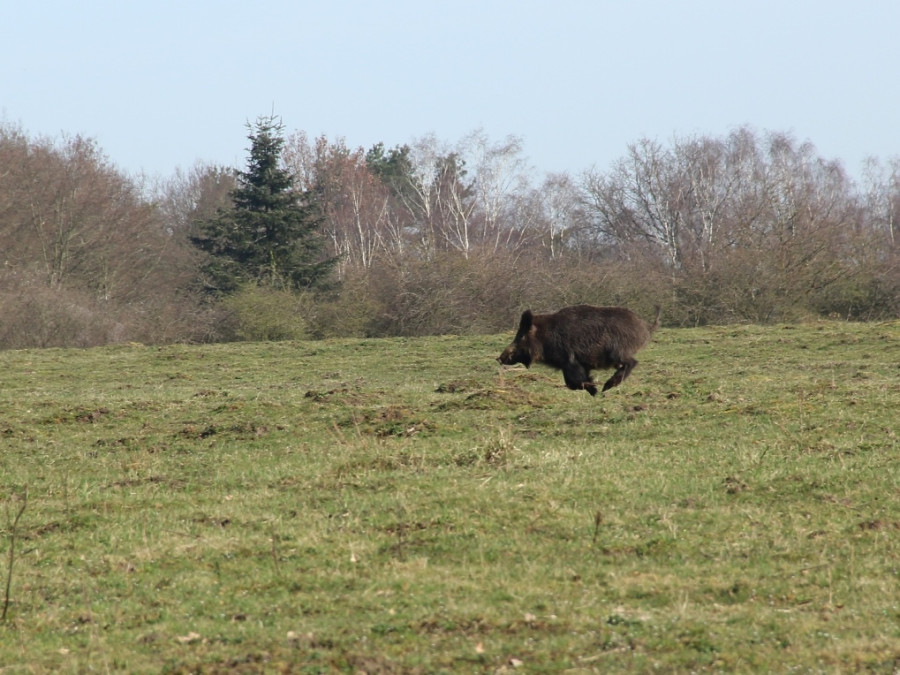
271	234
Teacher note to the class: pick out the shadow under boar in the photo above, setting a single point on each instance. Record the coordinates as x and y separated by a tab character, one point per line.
579	339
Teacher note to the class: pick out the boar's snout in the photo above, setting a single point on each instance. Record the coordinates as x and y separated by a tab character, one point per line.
515	354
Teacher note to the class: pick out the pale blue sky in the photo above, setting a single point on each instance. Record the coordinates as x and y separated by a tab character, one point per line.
165	84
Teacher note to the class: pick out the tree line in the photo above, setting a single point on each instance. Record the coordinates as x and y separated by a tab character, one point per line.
316	239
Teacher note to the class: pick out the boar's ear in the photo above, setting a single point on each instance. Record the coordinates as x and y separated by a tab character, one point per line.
525	322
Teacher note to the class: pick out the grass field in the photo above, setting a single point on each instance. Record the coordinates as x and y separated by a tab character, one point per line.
409	506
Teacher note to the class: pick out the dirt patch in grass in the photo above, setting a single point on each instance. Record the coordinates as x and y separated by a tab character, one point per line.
343	395
389	421
241	430
459	386
490	398
79	414
173	483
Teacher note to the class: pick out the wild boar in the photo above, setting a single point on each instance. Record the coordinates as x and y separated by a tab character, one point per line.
579	339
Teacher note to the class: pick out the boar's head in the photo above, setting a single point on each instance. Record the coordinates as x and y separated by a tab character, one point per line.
525	348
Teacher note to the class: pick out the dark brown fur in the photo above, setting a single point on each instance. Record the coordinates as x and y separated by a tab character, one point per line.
580	339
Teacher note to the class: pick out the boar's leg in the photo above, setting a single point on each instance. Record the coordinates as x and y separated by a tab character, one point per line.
577	377
623	370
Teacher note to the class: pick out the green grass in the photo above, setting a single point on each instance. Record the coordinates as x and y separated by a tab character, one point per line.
407	505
